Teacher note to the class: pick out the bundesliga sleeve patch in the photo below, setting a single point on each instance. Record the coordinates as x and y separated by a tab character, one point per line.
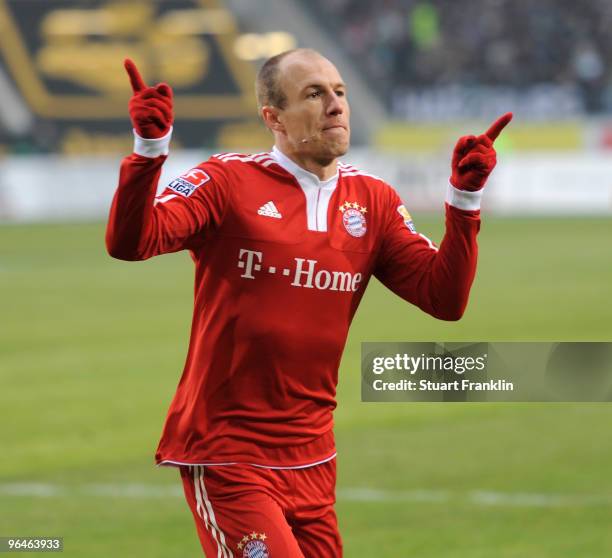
188	183
401	209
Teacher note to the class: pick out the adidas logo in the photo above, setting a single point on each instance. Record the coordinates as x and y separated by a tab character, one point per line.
269	210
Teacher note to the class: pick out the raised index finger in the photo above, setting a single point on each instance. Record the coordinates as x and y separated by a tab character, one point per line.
498	126
135	78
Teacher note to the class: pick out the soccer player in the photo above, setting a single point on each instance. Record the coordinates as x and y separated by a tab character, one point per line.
284	244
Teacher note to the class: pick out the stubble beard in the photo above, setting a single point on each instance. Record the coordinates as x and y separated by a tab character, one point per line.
326	154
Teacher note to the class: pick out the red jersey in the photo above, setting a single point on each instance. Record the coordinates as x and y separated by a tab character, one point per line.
281	264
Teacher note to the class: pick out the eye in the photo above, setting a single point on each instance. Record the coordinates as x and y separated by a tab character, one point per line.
340	93
314	94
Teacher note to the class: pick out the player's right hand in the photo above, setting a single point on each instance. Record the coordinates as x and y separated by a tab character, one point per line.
150	107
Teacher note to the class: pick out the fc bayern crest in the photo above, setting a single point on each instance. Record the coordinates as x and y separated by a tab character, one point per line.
353	218
255	549
253	546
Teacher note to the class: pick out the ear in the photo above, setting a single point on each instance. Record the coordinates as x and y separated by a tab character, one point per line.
272	118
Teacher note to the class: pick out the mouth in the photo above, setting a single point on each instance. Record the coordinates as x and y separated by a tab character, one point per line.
335	127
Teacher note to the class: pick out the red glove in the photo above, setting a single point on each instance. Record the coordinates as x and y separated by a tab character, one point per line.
150	107
474	157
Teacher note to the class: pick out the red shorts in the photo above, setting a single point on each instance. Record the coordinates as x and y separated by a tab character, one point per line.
243	511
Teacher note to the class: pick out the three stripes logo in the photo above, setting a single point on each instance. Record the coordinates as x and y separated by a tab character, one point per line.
269	210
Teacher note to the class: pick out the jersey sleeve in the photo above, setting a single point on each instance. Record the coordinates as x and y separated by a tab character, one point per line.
437	280
142	225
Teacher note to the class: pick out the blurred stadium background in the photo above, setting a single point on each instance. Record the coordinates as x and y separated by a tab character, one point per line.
91	349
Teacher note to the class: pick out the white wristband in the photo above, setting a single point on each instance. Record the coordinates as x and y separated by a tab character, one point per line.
463	199
152	148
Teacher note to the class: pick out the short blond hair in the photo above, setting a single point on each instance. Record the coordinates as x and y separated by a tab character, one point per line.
267	84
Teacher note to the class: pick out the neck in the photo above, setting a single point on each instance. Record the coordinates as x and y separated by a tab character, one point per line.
323	170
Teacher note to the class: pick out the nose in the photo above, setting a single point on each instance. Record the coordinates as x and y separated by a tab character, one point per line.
335	106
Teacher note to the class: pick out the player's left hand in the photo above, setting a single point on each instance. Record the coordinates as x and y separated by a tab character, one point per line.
474	157
150	107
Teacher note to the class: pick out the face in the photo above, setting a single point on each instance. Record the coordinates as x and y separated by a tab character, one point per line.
315	119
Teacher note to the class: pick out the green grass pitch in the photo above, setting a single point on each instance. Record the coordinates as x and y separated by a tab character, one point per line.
91	350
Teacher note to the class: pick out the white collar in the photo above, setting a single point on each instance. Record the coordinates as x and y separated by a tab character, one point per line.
302	175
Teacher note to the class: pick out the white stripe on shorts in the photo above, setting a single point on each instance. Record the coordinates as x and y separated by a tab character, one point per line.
201	511
223	551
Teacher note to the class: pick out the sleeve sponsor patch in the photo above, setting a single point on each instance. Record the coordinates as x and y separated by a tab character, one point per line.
188	183
401	209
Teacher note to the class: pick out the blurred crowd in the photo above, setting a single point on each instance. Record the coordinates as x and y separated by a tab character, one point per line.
408	44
